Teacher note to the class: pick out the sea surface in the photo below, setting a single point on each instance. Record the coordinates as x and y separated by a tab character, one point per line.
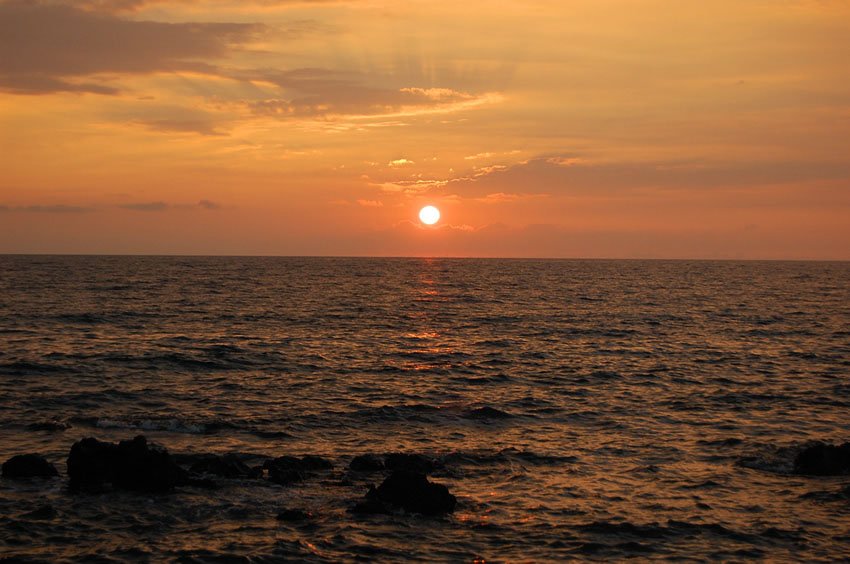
593	410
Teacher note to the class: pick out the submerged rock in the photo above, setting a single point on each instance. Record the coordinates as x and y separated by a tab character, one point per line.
311	463
821	459
28	466
366	463
226	466
287	470
132	465
410	491
50	426
486	413
294	515
43	513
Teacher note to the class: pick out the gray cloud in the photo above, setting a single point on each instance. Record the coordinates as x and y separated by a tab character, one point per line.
48	47
165	206
57	208
167	125
146	206
115	6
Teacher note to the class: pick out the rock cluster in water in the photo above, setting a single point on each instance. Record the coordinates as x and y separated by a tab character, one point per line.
408	490
138	465
132	465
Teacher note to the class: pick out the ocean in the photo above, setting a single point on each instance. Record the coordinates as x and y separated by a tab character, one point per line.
592	410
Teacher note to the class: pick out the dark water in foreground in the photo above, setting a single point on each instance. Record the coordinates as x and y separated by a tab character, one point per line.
627	393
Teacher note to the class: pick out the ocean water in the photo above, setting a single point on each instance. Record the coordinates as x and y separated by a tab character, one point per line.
590	410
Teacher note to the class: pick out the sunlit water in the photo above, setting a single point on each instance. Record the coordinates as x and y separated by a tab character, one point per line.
627	392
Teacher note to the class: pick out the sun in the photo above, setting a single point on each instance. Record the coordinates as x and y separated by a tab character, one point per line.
429	215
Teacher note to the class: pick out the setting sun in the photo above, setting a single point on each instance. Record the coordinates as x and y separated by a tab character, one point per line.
429	215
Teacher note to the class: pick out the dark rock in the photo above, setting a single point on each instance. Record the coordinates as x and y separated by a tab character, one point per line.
366	463
227	466
294	515
51	426
286	477
28	466
43	513
410	462
132	465
313	463
146	467
821	459
287	470
486	412
91	462
410	491
283	463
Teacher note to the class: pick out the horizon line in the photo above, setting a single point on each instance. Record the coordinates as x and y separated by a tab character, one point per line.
427	257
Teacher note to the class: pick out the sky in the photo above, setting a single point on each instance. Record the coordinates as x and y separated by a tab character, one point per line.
569	128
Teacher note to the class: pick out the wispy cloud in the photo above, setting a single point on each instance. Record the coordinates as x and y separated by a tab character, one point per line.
208	205
146	206
506	198
55	208
564	175
201	126
326	93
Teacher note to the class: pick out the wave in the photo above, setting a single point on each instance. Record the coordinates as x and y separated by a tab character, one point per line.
425	413
29	368
685	529
168	424
505	456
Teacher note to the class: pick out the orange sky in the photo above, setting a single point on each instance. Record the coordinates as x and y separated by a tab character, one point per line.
603	128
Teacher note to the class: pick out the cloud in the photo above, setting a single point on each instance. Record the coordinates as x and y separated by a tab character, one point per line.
571	175
146	206
56	208
400	162
418	186
48	47
477	156
201	126
209	205
117	6
503	198
371	203
325	93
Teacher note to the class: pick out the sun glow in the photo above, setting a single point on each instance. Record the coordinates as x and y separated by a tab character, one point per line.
429	215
